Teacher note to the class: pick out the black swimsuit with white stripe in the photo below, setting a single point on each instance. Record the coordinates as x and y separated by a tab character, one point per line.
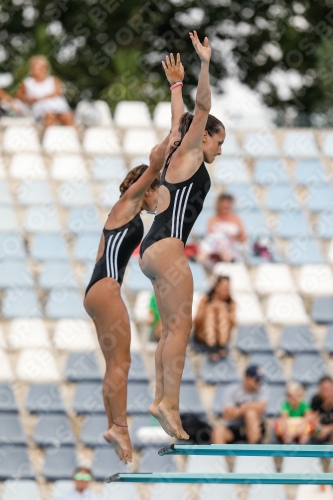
186	202
120	243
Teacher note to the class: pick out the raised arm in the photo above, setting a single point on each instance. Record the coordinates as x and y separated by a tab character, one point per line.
174	71
194	136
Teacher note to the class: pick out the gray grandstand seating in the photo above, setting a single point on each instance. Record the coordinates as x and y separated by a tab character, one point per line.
11	430
53	431
83	220
300	144
324	226
230	171
15	272
34	192
327	145
188	373
8	219
5	196
265	491
139	398
269	171
105	463
322	310
61	487
86	247
65	303
281	197
15	463
218	491
245	196
21	303
301	465
88	399
297	339
82	367
42	219
319	197
309	368
8	401
75	194
138	371
310	172
44	398
254	222
304	250
109	195
261	144
200	281
167	491
223	371
135	280
92	431
87	273
146	421
60	463
11	246
328	342
49	246
150	462
109	168
230	146
276	396
22	489
218	399
200	227
271	367
291	224
125	491
190	400
253	338
311	390
57	273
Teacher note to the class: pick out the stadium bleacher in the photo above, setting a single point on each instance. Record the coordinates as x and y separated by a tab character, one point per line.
55	193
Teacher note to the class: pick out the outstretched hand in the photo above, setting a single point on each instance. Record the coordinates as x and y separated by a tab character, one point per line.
174	70
203	51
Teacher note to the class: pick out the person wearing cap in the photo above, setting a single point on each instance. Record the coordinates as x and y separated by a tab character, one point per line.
82	478
243	408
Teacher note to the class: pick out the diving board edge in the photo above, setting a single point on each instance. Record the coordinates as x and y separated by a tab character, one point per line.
227	478
262	450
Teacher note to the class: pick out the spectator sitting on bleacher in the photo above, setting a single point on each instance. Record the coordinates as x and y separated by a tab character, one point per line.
225	237
215	319
154	320
322	406
244	406
295	423
81	478
44	93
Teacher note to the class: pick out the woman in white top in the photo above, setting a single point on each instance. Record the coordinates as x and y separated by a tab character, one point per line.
225	236
43	92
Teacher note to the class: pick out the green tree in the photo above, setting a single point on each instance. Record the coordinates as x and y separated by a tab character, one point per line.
113	48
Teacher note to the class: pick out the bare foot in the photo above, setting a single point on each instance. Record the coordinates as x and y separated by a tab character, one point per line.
169	421
119	439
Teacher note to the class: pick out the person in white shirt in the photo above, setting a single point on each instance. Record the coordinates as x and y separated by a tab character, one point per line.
81	478
44	94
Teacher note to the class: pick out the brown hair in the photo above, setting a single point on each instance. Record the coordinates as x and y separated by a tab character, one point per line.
133	176
213	126
211	292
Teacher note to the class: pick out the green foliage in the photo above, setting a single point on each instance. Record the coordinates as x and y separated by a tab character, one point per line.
113	48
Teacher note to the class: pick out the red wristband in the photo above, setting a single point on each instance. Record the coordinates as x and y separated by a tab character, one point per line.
177	84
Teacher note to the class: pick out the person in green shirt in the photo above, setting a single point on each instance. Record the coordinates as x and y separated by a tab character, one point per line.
154	319
295	423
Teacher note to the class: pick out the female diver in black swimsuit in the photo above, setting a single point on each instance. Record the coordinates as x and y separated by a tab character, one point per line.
184	185
122	233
